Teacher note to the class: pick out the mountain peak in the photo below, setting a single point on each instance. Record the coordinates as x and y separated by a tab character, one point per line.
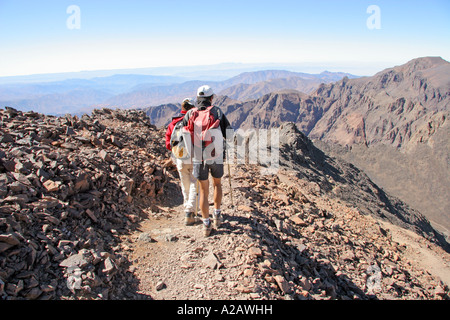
428	61
420	64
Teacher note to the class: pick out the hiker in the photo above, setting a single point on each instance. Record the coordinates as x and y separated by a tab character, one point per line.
204	163
184	166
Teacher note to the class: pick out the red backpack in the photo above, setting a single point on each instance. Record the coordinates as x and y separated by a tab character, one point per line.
205	133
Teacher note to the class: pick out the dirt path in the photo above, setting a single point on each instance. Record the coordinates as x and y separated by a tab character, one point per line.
432	259
174	261
253	255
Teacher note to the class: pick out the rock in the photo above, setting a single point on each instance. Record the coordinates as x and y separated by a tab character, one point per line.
74	283
17	187
248	272
76	260
9	165
5	246
254	295
348	255
244	289
160	285
330	289
33	294
70	131
6	138
18	198
146	237
82	183
21	178
282	284
199	286
244	208
298	221
68	145
14	289
52	186
9	238
255	252
110	266
48	287
115	141
2	287
170	237
211	261
305	283
439	291
91	215
105	156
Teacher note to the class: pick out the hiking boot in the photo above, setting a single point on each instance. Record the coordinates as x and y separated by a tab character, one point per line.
207	228
189	218
217	220
198	219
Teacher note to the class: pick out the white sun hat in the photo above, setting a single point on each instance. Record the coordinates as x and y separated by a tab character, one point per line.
205	91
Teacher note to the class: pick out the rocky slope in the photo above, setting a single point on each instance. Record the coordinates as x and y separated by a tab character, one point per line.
90	209
346	182
69	188
392	107
395	127
285	240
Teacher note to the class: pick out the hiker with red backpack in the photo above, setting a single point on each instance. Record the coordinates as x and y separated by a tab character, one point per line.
183	162
207	126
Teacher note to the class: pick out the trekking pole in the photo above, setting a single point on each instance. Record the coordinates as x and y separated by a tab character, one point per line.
229	176
231	189
197	201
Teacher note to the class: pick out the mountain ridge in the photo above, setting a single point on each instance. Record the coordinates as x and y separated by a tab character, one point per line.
128	90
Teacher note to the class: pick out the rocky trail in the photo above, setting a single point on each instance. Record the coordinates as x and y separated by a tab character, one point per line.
273	250
90	208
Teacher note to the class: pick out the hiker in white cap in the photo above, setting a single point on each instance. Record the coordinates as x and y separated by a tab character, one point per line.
208	126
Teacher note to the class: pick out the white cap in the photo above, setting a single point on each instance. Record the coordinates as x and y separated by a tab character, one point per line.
205	91
189	100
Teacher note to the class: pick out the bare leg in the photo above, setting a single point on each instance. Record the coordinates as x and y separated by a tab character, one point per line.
204	193
217	192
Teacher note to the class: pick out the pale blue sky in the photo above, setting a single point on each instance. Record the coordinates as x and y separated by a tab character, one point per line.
34	37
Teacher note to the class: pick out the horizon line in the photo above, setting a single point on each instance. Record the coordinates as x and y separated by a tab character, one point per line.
235	65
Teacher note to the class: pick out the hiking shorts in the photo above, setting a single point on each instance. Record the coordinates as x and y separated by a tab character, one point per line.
202	170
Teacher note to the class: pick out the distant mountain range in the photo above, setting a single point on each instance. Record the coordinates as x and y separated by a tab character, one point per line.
244	86
74	95
77	96
393	125
363	110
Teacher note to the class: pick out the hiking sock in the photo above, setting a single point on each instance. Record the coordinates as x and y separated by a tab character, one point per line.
207	227
217	218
